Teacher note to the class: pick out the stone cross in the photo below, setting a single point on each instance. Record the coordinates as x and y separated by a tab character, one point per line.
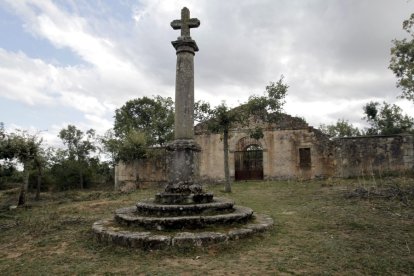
184	84
185	23
182	154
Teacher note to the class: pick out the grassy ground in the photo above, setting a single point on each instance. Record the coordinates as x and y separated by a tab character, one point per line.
318	231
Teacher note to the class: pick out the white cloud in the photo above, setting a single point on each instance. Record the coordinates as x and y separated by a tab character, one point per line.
111	64
24	80
334	54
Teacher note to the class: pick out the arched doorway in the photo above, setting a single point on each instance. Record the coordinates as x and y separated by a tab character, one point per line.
248	160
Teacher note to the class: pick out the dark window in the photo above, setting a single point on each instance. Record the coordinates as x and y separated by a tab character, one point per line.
304	158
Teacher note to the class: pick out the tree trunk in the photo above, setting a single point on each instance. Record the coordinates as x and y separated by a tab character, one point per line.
227	184
116	179
39	182
25	185
81	179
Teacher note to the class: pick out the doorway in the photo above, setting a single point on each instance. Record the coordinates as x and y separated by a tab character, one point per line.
249	163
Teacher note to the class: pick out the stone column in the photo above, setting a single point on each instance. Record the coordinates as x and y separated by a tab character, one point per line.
184	88
182	153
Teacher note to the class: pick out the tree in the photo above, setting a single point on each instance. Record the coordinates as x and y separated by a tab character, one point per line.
342	128
222	119
2	131
387	119
25	148
110	145
152	117
402	60
268	107
79	147
130	147
41	162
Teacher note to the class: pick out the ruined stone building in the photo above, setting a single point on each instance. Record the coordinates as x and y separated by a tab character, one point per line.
290	149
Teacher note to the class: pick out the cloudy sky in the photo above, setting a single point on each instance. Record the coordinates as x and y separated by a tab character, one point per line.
74	62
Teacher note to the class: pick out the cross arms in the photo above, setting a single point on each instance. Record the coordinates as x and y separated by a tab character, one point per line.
185	23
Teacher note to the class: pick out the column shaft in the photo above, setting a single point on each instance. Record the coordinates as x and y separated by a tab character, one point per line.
184	96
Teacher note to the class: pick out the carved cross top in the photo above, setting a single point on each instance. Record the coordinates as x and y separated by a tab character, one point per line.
185	23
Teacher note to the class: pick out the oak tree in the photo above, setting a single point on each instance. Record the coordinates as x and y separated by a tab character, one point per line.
79	146
342	128
153	117
387	119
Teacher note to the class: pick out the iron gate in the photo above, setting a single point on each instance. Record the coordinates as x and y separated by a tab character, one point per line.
248	165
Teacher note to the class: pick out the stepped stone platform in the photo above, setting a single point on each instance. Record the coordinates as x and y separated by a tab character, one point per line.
150	208
109	232
151	225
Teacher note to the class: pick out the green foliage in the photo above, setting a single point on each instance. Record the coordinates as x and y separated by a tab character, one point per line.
256	133
131	146
46	168
80	146
387	119
202	111
222	118
24	148
266	108
2	131
65	175
9	173
342	128
269	106
19	145
402	60
153	117
110	145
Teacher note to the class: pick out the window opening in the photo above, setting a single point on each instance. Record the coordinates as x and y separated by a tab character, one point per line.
305	158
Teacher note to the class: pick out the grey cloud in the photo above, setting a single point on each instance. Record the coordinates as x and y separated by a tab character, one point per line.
329	51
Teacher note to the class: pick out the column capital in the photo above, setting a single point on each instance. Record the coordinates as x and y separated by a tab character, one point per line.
185	45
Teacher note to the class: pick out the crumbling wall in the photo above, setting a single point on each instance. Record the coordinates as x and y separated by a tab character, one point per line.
357	156
284	154
140	173
291	150
211	158
281	146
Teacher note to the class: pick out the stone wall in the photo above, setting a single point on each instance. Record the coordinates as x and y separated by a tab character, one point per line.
281	158
291	150
283	144
379	155
140	173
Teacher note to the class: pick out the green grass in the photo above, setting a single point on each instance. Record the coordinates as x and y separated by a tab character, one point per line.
318	231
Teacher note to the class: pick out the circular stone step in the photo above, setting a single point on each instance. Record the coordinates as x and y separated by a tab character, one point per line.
178	198
128	216
150	208
107	231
